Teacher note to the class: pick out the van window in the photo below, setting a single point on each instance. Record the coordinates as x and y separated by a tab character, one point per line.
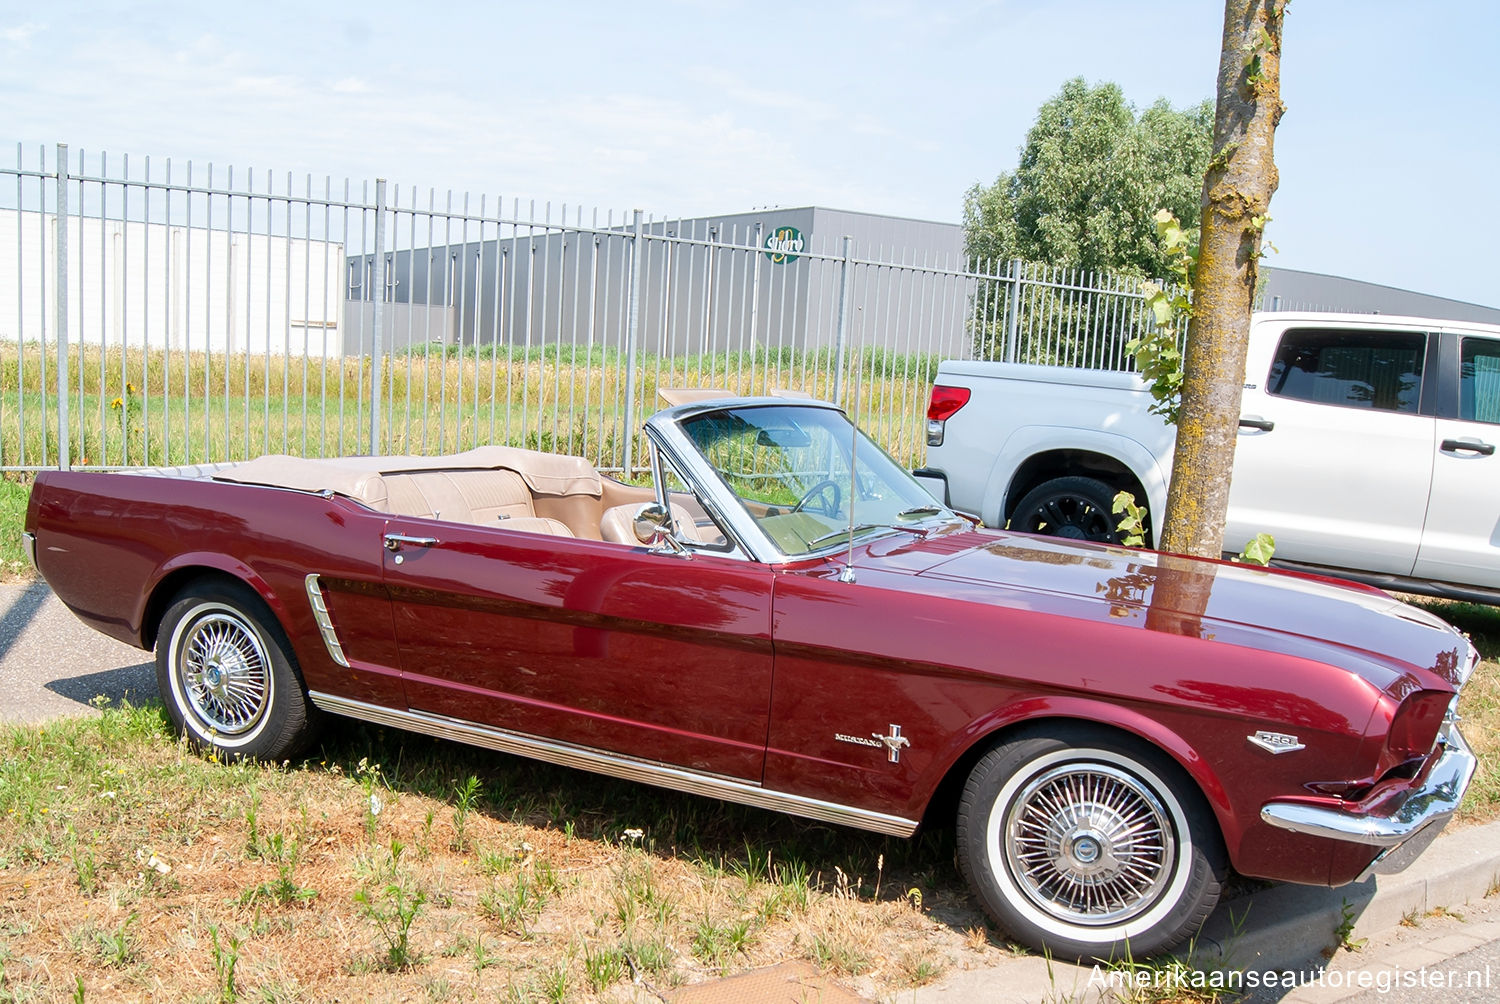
1479	381
1380	370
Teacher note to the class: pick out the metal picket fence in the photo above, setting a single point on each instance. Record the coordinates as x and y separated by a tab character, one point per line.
153	313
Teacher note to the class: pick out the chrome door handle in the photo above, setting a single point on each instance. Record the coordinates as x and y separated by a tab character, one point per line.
393	541
1468	446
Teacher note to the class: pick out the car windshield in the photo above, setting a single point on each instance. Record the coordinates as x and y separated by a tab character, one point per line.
789	467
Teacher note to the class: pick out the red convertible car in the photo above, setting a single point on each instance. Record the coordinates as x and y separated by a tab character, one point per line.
785	618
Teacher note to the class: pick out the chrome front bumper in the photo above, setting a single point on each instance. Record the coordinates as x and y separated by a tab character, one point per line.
1403	828
28	541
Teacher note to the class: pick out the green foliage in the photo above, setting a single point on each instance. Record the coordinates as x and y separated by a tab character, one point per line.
1091	177
465	795
392	906
371	781
1258	550
1132	523
603	965
226	958
118	946
1085	196
1158	352
1343	933
15	491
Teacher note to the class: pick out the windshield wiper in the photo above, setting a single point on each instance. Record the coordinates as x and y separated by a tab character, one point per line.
861	527
847	531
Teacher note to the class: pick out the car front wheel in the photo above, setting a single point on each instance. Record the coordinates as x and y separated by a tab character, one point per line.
228	676
1084	846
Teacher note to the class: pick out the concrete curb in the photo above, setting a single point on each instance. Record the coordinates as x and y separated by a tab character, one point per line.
1282	928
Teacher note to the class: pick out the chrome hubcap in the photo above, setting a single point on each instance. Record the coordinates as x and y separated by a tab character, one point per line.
1089	843
225	673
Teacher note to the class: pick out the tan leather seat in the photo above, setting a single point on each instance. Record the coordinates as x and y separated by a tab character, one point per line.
536	524
460	496
617	525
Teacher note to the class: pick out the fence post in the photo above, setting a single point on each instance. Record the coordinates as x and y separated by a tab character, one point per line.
1013	311
840	334
755	302
377	290
632	326
60	301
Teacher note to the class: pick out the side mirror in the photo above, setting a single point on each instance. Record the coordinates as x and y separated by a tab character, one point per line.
653	526
652	522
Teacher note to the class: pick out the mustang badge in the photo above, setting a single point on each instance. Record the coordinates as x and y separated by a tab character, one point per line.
893	743
1276	742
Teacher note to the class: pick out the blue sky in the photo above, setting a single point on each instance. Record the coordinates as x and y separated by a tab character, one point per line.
1387	153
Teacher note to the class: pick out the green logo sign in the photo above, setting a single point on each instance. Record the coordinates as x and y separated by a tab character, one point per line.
784	244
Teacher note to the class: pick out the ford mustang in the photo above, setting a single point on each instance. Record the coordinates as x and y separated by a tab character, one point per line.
783	617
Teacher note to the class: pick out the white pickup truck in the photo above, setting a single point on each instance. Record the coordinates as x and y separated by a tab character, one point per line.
1366	448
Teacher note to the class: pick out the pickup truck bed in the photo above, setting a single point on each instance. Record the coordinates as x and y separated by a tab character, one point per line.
1366	448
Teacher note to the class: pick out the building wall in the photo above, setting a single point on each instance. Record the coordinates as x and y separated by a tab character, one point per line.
151	285
1289	289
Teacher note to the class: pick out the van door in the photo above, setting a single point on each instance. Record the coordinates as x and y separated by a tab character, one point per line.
1334	457
1461	538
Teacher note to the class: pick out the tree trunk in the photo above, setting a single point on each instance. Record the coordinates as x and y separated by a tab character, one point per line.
1236	196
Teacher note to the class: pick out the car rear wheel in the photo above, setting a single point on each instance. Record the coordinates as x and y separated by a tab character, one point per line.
1083	845
1074	507
228	675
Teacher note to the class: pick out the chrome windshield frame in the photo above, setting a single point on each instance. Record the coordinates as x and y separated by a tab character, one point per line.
665	432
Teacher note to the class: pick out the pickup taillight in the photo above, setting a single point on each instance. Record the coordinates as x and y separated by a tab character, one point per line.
940	407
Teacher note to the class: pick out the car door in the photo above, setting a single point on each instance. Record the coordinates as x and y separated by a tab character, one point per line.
1334	457
1461	537
617	648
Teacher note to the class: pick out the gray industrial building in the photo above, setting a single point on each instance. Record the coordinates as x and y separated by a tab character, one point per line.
800	278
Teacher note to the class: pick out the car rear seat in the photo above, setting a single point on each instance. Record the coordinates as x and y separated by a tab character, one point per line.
487	486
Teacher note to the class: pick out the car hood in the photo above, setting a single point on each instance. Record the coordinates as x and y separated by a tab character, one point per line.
1359	627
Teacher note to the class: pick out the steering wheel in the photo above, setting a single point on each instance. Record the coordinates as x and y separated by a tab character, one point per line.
830	504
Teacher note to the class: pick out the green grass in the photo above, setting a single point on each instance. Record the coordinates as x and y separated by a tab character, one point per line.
155	408
15	490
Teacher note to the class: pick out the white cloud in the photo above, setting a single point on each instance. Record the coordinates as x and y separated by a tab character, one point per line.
21	34
351	85
269	87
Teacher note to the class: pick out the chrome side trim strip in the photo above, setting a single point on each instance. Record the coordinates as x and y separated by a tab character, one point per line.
325	623
616	765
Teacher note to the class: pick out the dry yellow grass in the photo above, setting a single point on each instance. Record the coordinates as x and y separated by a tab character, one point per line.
138	870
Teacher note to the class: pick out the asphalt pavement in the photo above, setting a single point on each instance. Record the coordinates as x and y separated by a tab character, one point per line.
51	664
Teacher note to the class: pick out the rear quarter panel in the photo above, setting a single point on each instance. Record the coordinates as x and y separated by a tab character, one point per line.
114	547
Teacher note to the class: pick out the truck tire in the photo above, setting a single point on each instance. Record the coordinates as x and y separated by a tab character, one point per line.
228	676
1074	507
1085	845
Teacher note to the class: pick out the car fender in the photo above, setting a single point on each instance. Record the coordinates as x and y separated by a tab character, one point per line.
1031	440
203	561
1040	710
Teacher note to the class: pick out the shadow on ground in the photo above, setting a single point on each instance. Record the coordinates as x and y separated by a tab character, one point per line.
136	684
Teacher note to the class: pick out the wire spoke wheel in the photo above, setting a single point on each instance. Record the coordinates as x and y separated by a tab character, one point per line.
225	673
1089	844
228	676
